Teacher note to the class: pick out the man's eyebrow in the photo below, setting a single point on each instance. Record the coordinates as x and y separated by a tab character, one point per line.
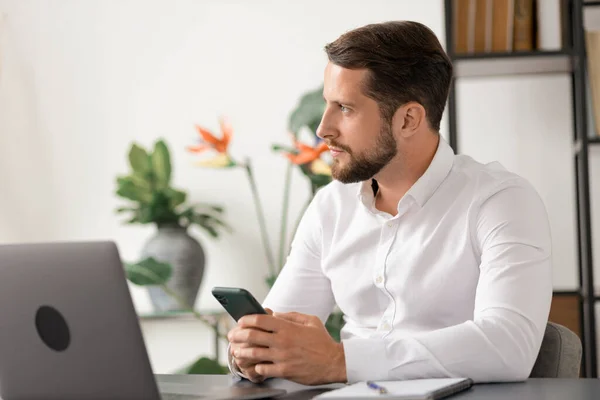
341	102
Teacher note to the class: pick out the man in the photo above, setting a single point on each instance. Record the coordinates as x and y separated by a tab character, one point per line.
441	265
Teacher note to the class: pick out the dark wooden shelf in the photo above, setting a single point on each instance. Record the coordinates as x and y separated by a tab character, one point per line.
592	141
565	292
575	293
511	54
591	3
514	63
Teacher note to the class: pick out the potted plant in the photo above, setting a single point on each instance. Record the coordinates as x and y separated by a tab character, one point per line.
153	200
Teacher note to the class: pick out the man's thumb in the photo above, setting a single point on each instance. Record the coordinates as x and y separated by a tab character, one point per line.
269	311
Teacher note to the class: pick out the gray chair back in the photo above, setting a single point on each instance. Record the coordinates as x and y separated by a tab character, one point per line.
560	354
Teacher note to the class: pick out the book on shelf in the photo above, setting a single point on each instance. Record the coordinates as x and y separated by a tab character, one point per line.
482	31
463	17
592	47
504	26
523	26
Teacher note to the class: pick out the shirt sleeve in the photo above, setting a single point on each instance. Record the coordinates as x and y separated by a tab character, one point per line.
512	304
302	286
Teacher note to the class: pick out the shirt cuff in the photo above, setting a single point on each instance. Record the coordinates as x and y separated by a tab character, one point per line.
366	359
233	368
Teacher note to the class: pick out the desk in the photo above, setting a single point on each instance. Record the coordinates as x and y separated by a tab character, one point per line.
532	389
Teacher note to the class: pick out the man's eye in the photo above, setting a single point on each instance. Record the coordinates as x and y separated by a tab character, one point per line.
344	109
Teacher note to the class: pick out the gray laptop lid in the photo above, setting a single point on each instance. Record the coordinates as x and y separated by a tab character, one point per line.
68	328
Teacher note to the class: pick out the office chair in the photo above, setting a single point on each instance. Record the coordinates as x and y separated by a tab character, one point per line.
560	354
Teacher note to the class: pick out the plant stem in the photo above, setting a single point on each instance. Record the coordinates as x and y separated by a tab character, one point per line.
284	217
186	307
261	218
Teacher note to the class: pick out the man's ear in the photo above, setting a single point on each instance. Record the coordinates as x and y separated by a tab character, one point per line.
409	118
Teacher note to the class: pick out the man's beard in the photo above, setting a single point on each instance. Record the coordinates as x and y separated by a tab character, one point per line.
362	167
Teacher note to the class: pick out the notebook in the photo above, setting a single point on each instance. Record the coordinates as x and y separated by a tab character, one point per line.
417	389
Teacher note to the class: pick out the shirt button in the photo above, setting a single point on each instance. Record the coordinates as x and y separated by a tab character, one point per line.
385	326
390	225
379	279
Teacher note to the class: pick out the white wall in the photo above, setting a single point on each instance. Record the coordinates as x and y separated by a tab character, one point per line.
82	79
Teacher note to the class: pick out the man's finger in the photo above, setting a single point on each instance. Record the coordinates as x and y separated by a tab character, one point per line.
252	375
255	355
296	317
250	336
260	321
269	311
234	346
276	370
244	363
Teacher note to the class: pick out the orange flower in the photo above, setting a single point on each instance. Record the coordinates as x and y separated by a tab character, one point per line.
307	154
210	141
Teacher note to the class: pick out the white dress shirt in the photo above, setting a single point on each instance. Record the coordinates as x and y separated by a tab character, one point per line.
457	284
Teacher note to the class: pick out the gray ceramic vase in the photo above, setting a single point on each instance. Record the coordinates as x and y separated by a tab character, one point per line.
172	244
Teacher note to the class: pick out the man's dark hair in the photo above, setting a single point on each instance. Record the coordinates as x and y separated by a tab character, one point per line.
406	62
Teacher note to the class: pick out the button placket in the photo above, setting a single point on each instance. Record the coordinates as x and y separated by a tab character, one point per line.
388	235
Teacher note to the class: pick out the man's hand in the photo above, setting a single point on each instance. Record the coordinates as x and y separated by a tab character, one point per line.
291	346
245	366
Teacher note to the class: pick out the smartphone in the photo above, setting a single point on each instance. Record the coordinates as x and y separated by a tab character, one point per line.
237	301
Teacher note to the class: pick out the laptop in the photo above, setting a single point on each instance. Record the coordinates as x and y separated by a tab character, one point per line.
69	330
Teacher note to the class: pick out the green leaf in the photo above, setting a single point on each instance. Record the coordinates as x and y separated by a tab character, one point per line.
217	209
161	164
128	190
222	223
176	197
309	112
211	231
206	366
271	280
319	180
287	149
139	160
334	325
124	209
208	222
188	213
135	220
148	272
135	181
140	181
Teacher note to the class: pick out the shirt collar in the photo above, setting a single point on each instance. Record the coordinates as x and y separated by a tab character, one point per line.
427	184
434	175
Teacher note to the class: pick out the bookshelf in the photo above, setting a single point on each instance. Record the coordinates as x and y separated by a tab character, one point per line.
496	64
571	60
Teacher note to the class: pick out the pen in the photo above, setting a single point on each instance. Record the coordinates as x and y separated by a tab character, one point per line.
375	386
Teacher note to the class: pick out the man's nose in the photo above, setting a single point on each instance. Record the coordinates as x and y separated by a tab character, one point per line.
325	130
321	131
